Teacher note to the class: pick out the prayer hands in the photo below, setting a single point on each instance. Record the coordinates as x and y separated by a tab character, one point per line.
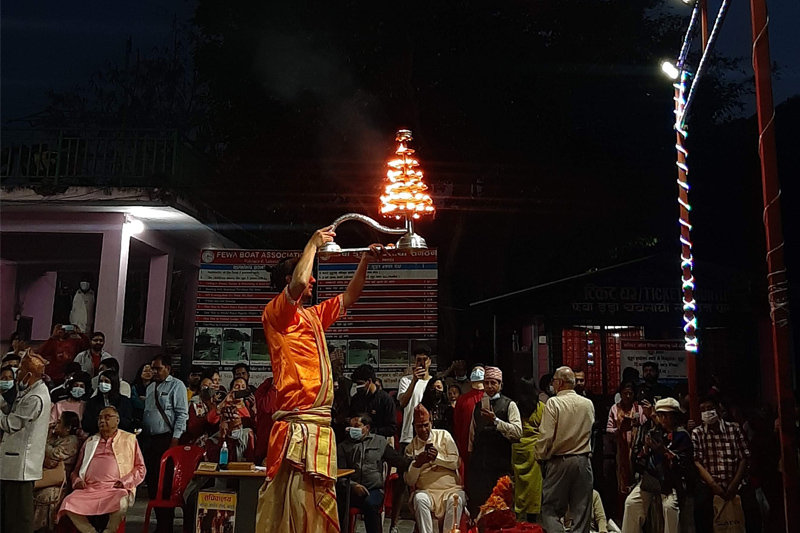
375	253
322	236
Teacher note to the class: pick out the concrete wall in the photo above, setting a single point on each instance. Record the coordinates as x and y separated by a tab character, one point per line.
8	295
38	295
36	298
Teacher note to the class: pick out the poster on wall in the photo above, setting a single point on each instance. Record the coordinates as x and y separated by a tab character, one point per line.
234	286
669	355
397	312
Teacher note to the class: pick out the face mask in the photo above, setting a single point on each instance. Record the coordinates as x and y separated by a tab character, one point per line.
77	392
21	384
709	417
14	370
105	388
462	378
236	433
550	389
355	433
84	286
495	397
6	385
477	375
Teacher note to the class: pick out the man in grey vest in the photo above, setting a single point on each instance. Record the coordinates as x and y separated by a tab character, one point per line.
496	424
23	436
564	442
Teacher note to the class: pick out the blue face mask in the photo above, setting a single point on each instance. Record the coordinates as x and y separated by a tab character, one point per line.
105	388
355	433
477	375
6	385
77	392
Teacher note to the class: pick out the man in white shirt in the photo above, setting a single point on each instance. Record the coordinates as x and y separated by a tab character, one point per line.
564	442
409	394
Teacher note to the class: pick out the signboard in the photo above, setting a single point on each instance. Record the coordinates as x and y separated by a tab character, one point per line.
670	356
216	512
396	314
234	287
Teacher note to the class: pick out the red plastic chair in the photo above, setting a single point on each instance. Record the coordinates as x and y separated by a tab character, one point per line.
185	459
386	506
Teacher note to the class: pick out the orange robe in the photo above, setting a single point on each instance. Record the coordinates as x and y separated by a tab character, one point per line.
301	458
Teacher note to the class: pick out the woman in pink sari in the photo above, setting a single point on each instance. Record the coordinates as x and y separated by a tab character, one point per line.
624	420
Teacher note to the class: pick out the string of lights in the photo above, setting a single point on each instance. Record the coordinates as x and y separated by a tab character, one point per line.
686	83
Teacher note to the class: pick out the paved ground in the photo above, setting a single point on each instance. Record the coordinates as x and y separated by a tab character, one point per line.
135	519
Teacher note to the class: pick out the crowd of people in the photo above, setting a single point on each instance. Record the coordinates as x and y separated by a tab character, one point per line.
77	440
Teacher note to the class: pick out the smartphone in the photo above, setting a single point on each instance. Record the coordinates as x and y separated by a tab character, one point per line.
69	327
485	404
241	394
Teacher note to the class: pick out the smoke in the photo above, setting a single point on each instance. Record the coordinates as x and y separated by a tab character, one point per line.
301	70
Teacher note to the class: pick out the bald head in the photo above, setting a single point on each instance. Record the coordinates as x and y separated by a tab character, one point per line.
564	379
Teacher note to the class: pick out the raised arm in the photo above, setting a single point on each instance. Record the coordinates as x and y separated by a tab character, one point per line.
302	272
356	285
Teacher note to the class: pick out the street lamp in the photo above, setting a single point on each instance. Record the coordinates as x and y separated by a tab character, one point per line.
670	70
404	197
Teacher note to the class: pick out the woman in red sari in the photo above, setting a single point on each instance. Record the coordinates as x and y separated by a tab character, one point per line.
624	420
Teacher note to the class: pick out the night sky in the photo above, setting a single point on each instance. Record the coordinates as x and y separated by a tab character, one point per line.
54	45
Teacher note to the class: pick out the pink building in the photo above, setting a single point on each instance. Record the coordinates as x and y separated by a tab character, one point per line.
138	248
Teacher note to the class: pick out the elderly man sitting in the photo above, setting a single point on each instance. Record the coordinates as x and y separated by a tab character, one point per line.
110	466
433	475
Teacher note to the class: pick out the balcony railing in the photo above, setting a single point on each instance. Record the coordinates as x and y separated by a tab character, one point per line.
114	158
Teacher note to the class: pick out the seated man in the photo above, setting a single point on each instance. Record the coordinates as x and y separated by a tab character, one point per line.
366	452
598	523
110	466
433	475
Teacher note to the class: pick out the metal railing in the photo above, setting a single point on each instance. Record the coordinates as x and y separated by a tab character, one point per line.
115	158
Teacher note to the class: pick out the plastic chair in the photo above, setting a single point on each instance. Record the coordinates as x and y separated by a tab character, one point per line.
185	459
388	492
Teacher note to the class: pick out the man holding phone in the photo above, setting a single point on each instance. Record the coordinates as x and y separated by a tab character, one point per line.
496	423
409	393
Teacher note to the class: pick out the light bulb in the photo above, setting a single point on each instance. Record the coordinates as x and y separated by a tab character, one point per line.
670	70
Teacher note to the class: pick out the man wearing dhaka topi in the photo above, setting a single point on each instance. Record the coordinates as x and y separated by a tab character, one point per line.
299	493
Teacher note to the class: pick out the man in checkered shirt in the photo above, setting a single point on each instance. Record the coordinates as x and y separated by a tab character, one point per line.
721	455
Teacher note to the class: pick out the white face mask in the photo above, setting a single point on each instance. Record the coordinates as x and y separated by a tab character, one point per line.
105	388
551	390
84	286
236	433
477	375
495	397
710	417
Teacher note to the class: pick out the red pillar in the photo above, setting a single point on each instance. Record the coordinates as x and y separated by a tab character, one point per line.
777	282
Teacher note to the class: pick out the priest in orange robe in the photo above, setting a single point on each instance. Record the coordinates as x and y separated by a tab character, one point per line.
299	493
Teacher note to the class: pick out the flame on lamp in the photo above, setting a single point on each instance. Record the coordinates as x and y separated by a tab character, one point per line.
404	193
